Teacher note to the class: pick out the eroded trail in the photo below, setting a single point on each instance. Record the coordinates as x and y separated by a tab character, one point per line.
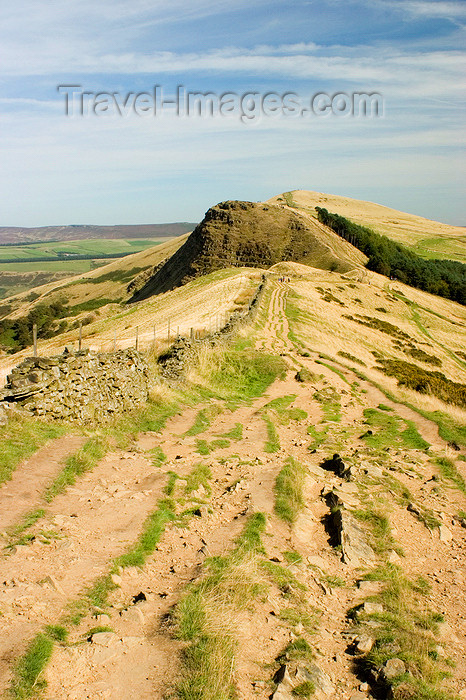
216	465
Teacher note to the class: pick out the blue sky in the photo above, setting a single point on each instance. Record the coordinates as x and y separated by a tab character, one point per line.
111	169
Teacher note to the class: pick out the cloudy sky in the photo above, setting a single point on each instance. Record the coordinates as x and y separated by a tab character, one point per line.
106	168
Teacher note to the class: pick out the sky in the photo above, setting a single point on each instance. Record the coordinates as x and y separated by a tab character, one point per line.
116	165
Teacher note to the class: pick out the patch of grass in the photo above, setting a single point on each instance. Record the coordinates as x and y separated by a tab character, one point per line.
20	438
27	680
289	485
28	521
334	369
297	650
389	431
348	356
201	423
329	400
383	541
304	690
151	533
406	629
202	447
335	581
292	557
319	437
158	456
449	471
76	465
200	476
205	617
383	407
273	441
235	433
171	483
424	381
57	633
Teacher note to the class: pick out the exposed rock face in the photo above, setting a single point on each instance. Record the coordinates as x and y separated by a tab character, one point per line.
79	386
246	233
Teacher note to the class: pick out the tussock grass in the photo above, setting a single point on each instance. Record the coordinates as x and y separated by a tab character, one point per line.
20	438
76	465
289	486
206	617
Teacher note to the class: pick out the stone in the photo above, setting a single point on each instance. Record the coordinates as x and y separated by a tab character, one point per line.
116	579
394	558
392	669
321	680
364	687
356	551
358	696
133	614
53	583
445	534
372	608
105	639
363	644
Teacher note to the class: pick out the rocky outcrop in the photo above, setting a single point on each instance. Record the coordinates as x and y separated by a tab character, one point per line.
79	386
249	234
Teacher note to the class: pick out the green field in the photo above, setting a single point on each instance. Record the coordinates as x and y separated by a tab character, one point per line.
62	249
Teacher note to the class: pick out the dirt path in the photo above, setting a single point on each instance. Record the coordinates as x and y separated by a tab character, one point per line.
23	492
102	515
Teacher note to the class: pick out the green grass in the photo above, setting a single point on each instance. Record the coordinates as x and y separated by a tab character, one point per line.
56	249
273	442
76	465
334	369
329	400
199	476
27	681
22	437
244	375
150	535
235	433
389	431
449	471
204	618
382	539
289	485
318	437
407	623
201	423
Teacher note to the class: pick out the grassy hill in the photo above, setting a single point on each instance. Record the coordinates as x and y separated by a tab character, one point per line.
430	239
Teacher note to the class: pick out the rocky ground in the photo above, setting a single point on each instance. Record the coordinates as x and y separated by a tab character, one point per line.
219	473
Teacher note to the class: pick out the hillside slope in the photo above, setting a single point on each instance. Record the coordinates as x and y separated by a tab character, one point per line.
257	235
430	239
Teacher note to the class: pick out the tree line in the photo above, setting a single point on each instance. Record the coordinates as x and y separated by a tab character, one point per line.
446	278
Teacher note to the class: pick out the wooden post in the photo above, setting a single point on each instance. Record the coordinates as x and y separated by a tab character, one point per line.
80	344
34	338
137	337
191	333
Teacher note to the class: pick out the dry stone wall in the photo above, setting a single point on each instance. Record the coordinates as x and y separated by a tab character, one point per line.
79	386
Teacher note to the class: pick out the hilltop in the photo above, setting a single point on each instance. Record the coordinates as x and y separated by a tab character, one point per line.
251	234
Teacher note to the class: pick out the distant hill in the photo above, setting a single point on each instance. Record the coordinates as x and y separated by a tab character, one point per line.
15	235
236	233
427	238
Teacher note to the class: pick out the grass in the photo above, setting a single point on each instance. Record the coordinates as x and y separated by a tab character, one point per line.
76	465
329	400
382	539
20	438
406	629
318	437
289	486
449	471
201	423
273	441
205	618
235	433
200	476
389	431
27	679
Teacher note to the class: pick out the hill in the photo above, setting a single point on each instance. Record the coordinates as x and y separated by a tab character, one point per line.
251	234
17	235
430	239
288	517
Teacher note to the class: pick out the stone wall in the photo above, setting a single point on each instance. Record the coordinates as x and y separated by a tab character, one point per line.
79	386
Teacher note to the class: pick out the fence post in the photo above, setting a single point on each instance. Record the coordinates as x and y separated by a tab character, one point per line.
34	338
137	337
191	333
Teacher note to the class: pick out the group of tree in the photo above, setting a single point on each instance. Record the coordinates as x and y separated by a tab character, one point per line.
446	278
16	334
